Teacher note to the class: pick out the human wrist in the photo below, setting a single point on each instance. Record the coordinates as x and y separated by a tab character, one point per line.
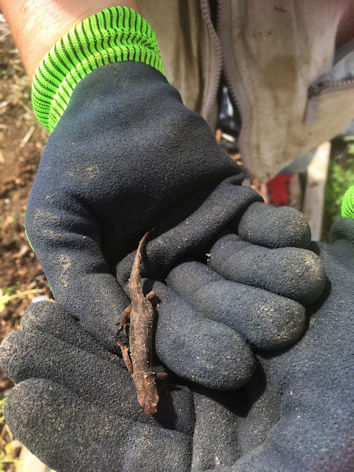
46	21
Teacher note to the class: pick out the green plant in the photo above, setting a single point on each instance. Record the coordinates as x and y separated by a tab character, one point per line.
7	457
350	144
9	448
340	177
6	295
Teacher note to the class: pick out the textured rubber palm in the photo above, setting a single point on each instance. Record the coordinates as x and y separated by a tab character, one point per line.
115	34
348	203
295	413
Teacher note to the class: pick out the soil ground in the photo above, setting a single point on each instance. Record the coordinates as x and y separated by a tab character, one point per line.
21	143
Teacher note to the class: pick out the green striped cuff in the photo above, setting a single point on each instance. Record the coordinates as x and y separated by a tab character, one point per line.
115	34
348	203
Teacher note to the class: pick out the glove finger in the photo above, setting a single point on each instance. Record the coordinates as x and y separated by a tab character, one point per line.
266	320
49	318
73	435
273	227
313	382
68	248
291	272
190	233
25	355
197	348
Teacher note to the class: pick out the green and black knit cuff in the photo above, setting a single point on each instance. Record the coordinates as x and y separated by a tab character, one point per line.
115	34
347	206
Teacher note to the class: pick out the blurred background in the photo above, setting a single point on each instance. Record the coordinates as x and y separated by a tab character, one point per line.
21	277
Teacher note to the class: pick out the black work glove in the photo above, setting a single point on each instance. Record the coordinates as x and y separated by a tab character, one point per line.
251	297
296	413
75	404
75	407
127	156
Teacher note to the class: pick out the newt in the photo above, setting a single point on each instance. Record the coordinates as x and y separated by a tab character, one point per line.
139	316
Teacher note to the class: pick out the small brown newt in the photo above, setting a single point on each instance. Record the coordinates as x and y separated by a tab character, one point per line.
139	315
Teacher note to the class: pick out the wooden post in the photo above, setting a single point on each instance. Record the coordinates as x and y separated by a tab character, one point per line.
315	188
31	463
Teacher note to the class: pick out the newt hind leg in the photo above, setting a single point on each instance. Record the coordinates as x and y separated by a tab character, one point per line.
162	377
126	357
124	321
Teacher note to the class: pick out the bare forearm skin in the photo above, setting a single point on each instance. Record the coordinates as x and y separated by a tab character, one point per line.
38	24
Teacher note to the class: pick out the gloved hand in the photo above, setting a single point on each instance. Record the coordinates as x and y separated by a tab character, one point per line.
250	296
127	156
75	403
296	412
75	407
125	152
